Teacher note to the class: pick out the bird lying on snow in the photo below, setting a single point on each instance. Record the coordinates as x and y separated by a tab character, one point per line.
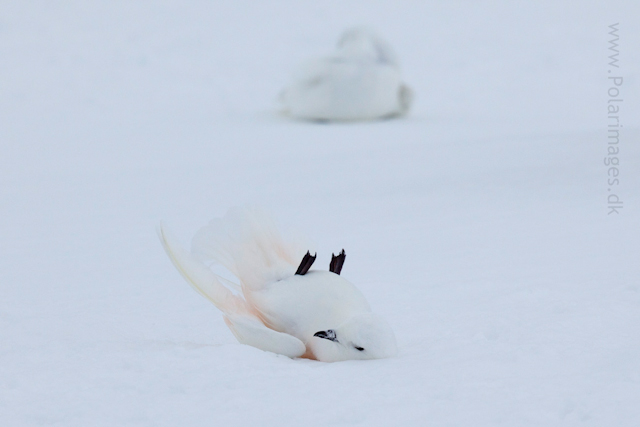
285	307
360	81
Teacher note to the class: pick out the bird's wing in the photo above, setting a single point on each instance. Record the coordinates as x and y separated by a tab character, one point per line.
246	327
251	331
248	243
199	276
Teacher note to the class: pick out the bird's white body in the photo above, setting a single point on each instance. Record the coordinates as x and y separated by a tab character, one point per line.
361	81
304	305
280	311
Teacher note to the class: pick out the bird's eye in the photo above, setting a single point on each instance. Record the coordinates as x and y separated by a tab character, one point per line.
358	348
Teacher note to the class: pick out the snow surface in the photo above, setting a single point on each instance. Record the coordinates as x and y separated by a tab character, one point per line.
477	226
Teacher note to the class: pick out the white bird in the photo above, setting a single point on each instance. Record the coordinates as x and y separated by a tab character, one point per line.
283	309
361	81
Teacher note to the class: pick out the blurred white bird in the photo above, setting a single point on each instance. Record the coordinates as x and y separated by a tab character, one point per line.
283	309
361	81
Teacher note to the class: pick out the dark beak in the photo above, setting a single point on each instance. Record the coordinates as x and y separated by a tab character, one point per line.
329	334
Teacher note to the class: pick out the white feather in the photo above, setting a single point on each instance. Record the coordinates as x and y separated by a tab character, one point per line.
247	328
361	81
279	311
246	241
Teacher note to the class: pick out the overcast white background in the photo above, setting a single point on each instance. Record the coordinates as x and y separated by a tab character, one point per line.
477	225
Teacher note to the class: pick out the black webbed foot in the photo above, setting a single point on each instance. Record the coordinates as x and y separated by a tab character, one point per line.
337	262
306	263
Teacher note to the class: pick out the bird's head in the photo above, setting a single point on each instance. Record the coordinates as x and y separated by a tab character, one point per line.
363	336
364	43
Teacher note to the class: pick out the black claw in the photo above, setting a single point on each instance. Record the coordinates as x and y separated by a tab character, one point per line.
337	262
306	263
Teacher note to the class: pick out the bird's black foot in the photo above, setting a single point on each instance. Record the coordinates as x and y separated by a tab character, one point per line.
337	262
306	263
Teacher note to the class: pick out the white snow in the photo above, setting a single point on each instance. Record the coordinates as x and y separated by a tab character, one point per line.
477	225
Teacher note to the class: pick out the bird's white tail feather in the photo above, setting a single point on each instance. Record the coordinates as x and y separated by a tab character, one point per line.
248	243
203	280
251	331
